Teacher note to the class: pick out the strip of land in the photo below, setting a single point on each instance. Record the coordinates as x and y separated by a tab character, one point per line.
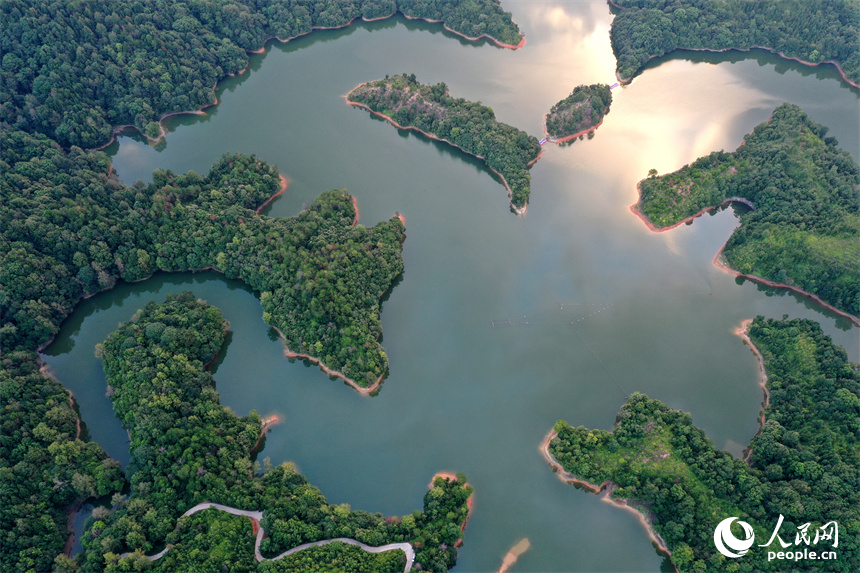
468	126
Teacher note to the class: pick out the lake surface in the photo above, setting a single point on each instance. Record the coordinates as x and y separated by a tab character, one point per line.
600	306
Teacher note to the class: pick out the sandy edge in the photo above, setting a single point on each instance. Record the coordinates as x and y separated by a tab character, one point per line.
634	208
470	501
743	332
163	131
44	369
518	210
783	55
360	389
281	189
720	263
605	489
569	137
514	553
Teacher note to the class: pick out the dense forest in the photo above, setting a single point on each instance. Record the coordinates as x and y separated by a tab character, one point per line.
813	31
804	464
583	109
805	228
468	125
71	229
186	449
76	70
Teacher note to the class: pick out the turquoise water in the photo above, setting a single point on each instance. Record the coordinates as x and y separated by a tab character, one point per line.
600	307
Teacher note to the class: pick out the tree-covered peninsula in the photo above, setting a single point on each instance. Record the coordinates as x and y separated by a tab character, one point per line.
77	70
187	449
803	464
470	126
579	113
69	229
804	228
810	31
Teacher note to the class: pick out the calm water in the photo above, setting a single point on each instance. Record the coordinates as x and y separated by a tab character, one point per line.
610	307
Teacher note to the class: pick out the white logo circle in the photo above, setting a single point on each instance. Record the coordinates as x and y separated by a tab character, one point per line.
726	542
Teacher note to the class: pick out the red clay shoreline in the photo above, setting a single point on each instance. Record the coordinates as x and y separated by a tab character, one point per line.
281	189
518	210
162	131
634	208
783	55
720	264
743	332
568	137
606	489
360	389
470	502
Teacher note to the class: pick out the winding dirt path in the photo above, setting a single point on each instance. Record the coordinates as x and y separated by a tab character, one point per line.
605	489
257	516
518	210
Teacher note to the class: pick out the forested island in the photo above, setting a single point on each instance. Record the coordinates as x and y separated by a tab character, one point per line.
809	31
469	126
579	113
70	229
803	464
187	449
76	70
804	229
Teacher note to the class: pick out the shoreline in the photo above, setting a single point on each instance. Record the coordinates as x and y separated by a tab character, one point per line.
265	424
115	131
605	489
267	202
470	502
514	553
634	208
783	55
518	210
360	389
355	206
743	332
567	138
723	266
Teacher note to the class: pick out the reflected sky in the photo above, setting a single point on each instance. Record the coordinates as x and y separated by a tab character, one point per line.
463	395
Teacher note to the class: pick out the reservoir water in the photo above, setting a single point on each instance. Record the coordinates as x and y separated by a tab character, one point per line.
599	306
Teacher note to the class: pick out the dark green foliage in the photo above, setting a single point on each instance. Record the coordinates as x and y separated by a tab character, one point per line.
70	229
805	462
187	448
805	229
336	556
810	30
75	70
43	467
582	109
468	125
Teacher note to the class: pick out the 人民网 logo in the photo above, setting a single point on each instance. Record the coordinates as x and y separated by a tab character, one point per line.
730	546
727	543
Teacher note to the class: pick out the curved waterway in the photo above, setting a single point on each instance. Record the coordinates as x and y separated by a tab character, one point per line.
598	306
